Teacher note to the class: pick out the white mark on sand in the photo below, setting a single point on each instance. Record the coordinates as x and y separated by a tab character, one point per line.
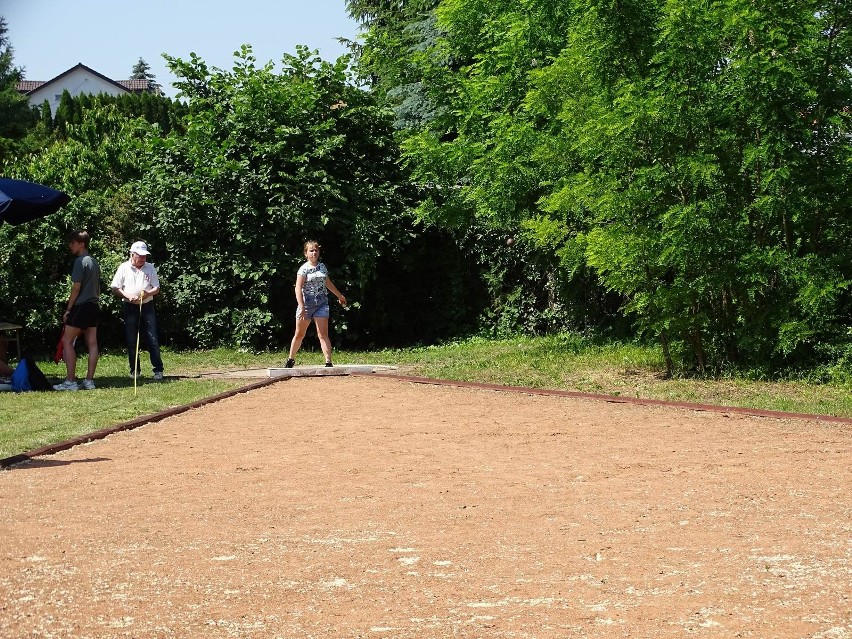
339	582
124	622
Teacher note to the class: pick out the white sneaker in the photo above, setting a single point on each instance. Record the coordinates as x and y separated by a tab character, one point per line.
88	384
158	376
67	385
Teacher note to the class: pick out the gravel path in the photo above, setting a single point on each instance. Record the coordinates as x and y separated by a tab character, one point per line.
373	507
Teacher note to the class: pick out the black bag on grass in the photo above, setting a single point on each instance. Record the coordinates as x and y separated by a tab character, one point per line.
37	379
28	376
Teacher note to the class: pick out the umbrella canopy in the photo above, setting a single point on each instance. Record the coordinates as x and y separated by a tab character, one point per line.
22	201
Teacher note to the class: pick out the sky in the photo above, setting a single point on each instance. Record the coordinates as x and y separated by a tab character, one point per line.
49	37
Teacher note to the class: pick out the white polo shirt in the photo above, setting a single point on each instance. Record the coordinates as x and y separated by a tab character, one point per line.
132	281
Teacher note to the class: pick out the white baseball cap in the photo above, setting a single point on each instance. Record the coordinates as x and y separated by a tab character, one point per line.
140	248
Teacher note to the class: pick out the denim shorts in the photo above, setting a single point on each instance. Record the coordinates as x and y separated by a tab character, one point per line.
313	311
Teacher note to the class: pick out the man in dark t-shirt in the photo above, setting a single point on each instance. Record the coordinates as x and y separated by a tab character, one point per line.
81	312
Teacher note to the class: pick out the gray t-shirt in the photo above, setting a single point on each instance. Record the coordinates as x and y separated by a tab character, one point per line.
87	271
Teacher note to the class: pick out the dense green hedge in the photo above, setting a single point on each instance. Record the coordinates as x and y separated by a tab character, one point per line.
257	163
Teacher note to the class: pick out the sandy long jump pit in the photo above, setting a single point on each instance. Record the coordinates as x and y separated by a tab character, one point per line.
373	507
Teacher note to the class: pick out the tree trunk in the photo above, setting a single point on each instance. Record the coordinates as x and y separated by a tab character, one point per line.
664	339
698	345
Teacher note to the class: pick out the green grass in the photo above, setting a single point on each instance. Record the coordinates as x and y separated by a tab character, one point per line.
31	420
570	362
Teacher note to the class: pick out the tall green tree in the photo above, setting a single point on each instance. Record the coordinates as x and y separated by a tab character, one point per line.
16	118
690	157
142	71
397	33
471	155
699	179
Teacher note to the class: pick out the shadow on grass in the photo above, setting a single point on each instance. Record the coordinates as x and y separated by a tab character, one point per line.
121	381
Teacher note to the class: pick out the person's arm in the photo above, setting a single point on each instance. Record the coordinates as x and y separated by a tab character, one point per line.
75	293
77	272
145	294
331	287
300	298
129	298
117	284
153	284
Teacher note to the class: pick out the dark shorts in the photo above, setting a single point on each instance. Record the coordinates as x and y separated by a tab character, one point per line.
83	315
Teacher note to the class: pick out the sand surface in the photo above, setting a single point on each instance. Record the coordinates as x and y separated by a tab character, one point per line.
373	507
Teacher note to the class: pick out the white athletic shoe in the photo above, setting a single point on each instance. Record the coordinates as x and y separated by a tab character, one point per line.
158	376
67	385
87	384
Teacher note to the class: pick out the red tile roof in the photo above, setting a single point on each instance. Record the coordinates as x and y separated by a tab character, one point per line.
134	86
25	86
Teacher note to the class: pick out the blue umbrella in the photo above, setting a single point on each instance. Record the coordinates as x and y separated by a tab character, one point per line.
22	201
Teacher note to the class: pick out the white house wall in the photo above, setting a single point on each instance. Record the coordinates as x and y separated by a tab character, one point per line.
77	83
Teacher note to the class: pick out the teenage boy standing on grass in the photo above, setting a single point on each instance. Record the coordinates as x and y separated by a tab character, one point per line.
81	312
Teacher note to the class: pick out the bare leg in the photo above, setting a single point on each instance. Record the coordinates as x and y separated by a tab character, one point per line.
296	343
70	334
322	333
92	345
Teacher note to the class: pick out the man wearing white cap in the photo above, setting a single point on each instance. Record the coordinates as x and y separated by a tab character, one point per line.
136	283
